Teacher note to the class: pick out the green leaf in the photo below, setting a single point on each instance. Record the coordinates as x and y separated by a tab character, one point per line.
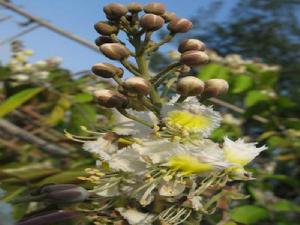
248	214
242	83
18	99
254	97
58	112
267	79
214	71
64	177
83	98
285	206
82	115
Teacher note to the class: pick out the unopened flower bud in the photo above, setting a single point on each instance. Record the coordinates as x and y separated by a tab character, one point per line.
168	16
191	44
215	87
107	70
134	7
190	86
184	69
110	99
155	8
194	58
115	51
151	22
180	25
137	85
66	193
105	28
103	40
50	218
115	11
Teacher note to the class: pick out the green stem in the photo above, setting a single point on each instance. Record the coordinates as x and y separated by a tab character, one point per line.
130	68
162	75
166	39
168	86
148	104
124	113
143	67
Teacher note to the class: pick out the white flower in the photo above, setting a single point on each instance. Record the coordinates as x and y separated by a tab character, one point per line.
42	74
196	157
157	151
239	152
135	217
190	116
103	148
171	189
127	126
21	77
41	64
127	160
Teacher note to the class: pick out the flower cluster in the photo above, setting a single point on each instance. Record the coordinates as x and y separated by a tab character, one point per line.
157	164
23	71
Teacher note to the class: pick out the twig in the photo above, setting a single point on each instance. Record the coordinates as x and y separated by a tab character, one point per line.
18	132
48	25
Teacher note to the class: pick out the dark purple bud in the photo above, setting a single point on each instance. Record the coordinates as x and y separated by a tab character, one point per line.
50	218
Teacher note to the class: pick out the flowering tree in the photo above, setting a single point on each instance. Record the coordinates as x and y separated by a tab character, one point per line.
157	164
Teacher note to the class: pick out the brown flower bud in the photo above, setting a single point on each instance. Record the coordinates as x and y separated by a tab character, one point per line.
155	8
168	16
115	11
215	87
65	193
105	28
180	25
184	69
151	22
137	85
194	58
115	51
191	44
190	86
103	40
107	70
134	7
110	99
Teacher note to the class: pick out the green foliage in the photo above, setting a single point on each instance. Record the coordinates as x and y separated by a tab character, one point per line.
18	99
248	214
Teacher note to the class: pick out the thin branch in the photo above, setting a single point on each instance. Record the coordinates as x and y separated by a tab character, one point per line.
23	135
236	109
48	25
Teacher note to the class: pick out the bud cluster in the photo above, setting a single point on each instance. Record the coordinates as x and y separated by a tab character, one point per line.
138	22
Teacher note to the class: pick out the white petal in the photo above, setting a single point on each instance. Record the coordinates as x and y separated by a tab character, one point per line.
135	217
127	160
103	148
171	189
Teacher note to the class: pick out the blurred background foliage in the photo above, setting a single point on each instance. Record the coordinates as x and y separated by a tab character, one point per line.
256	51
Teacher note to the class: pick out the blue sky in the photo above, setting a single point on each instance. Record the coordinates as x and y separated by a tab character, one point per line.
78	17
